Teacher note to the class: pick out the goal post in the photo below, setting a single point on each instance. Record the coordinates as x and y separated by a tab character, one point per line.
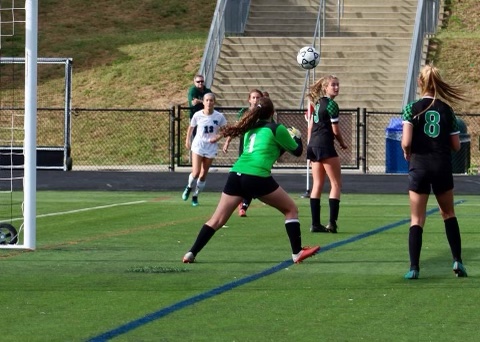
12	14
30	124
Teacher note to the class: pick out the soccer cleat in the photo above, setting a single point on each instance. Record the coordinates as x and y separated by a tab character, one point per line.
459	269
412	274
188	258
318	229
242	212
194	201
186	193
332	227
306	252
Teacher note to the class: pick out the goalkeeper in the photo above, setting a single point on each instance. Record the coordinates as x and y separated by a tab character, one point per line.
251	176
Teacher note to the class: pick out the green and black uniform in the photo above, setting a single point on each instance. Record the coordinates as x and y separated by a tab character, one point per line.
321	144
430	165
251	176
430	169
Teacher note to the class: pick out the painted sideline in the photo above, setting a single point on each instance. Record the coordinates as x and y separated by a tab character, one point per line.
80	210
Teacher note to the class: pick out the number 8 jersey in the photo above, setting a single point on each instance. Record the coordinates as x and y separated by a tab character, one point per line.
433	123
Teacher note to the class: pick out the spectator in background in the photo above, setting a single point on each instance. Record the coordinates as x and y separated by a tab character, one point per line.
430	133
195	96
253	96
204	145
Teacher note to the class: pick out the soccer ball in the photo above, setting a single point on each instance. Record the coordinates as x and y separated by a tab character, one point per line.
308	57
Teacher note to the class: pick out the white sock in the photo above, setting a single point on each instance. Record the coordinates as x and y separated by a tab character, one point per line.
191	181
200	187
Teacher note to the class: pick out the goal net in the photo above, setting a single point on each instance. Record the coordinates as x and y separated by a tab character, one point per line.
18	107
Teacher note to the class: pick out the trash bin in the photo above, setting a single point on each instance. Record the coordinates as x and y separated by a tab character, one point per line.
461	158
395	162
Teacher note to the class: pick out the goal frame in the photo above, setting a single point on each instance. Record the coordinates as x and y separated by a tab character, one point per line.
30	128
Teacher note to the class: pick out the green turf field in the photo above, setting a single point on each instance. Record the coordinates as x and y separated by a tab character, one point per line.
108	267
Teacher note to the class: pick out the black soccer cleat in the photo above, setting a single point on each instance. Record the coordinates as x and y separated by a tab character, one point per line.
332	228
318	229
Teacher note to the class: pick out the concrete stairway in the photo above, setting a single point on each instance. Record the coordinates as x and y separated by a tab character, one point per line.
369	53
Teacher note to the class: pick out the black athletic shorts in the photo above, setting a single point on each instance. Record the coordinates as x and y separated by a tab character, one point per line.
428	173
316	154
248	186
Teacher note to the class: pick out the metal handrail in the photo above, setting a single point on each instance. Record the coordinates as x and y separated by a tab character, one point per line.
319	32
225	10
340	11
426	23
214	43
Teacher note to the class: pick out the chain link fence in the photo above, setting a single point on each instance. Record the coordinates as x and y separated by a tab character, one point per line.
154	139
288	117
122	139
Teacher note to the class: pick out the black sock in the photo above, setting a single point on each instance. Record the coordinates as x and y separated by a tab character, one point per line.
453	236
203	237
315	210
294	235
334	209
415	246
246	203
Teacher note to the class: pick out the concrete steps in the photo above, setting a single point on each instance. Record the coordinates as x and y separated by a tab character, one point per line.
369	53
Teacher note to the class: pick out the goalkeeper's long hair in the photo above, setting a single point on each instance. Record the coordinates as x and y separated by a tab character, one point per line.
262	111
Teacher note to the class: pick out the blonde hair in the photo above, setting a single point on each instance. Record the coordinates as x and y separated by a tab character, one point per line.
262	111
430	81
317	90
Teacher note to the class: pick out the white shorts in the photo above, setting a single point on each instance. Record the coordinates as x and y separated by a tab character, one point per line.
208	150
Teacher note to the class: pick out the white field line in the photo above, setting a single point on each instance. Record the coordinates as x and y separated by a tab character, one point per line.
80	210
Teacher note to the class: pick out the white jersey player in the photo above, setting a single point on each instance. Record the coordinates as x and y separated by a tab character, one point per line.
204	146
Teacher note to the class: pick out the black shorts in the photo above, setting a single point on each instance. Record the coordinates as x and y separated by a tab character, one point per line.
427	173
316	154
248	186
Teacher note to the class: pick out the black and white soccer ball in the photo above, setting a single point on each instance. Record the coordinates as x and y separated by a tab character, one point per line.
308	57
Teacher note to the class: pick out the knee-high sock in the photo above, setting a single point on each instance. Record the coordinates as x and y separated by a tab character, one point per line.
200	187
453	236
334	209
246	203
204	235
191	181
415	246
315	211
294	235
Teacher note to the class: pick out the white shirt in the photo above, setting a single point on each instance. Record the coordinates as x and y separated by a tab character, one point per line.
207	128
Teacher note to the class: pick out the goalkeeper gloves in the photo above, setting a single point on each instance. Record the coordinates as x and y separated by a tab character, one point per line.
294	133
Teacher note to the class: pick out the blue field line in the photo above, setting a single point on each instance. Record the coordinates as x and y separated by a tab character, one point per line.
234	284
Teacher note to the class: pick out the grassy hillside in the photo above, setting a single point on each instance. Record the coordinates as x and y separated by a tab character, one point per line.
127	53
459	48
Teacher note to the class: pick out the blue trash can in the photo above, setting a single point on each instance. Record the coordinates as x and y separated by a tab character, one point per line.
395	162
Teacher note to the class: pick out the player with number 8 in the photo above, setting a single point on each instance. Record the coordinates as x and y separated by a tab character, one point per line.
430	133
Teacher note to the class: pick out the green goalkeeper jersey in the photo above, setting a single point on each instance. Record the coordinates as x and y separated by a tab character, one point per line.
263	144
